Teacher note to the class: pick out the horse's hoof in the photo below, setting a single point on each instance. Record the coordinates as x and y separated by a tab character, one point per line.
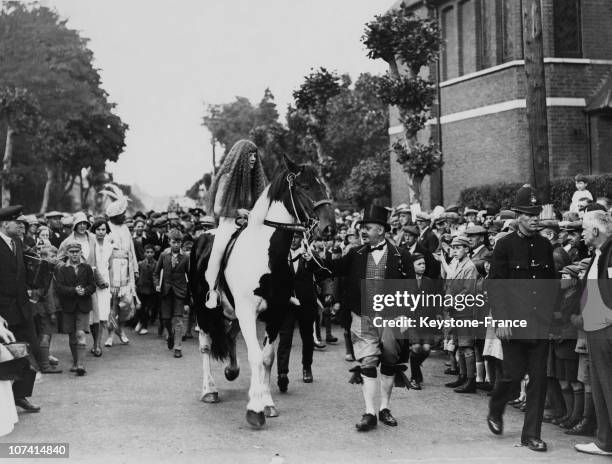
270	411
255	419
232	373
212	397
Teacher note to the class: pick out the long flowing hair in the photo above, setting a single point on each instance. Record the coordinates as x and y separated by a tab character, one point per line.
243	185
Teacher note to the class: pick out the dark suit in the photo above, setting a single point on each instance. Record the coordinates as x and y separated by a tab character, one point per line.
174	293
15	308
523	285
304	290
429	240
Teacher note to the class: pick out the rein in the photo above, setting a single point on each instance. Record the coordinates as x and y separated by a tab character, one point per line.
306	227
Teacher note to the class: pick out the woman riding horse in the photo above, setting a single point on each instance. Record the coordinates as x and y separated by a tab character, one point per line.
237	185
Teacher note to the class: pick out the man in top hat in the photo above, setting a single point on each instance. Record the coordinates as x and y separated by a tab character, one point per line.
523	286
374	346
15	311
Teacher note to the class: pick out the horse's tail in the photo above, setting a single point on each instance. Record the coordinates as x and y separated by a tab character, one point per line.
212	322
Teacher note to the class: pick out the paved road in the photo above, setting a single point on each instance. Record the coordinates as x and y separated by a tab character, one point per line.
139	404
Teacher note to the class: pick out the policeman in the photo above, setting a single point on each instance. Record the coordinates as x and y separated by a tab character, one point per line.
523	287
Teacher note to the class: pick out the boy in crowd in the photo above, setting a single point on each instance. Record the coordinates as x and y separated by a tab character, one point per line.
75	284
171	281
145	288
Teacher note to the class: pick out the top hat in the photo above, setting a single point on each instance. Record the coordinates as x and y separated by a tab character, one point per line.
525	201
376	215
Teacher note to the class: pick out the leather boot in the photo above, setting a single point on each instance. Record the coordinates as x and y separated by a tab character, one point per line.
45	365
468	387
80	364
586	428
457	383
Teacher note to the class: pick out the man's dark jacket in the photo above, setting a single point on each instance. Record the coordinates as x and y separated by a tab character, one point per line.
523	284
13	292
353	266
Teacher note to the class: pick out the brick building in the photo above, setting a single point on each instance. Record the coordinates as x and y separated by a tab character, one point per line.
481	121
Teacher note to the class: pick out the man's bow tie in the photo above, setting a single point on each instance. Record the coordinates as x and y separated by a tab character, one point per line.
379	247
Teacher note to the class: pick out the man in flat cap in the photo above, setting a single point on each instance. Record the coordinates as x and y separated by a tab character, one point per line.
54	221
427	238
523	286
15	311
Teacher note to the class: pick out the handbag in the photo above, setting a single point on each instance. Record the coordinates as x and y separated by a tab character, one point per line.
19	349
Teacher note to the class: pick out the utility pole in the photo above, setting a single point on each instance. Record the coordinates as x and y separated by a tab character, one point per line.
537	117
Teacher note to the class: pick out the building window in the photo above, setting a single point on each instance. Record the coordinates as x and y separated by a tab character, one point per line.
567	28
448	43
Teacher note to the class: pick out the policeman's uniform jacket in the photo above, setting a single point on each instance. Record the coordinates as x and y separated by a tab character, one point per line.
523	284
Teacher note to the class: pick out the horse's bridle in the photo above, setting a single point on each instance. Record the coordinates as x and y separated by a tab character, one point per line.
308	225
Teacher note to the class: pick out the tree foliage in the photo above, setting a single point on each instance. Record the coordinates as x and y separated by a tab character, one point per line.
77	128
400	35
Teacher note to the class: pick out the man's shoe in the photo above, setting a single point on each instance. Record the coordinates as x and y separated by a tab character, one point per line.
468	387
80	371
485	386
330	339
73	368
386	418
457	383
415	385
534	444
319	345
143	332
568	424
283	383
24	404
53	360
307	375
591	448
171	340
368	422
451	371
50	369
496	424
178	354
586	428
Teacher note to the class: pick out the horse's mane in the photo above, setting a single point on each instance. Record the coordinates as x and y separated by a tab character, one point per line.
278	185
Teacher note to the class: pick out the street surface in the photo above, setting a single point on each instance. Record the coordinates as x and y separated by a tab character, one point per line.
139	404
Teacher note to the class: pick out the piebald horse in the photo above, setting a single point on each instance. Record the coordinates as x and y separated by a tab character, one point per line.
256	282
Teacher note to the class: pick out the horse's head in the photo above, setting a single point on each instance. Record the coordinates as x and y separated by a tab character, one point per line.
305	196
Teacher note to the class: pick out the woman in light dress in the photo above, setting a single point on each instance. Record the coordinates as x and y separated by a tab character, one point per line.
103	249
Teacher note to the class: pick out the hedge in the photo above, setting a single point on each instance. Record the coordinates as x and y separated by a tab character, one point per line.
501	195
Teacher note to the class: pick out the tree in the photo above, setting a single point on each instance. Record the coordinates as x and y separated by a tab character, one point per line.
40	53
369	180
19	111
311	100
401	36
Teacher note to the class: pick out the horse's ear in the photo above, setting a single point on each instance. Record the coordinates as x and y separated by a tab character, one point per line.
291	165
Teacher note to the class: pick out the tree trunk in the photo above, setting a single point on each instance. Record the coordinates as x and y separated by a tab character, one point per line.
47	192
321	162
393	68
537	118
414	187
6	167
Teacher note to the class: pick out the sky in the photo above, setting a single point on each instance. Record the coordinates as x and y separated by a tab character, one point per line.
161	61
